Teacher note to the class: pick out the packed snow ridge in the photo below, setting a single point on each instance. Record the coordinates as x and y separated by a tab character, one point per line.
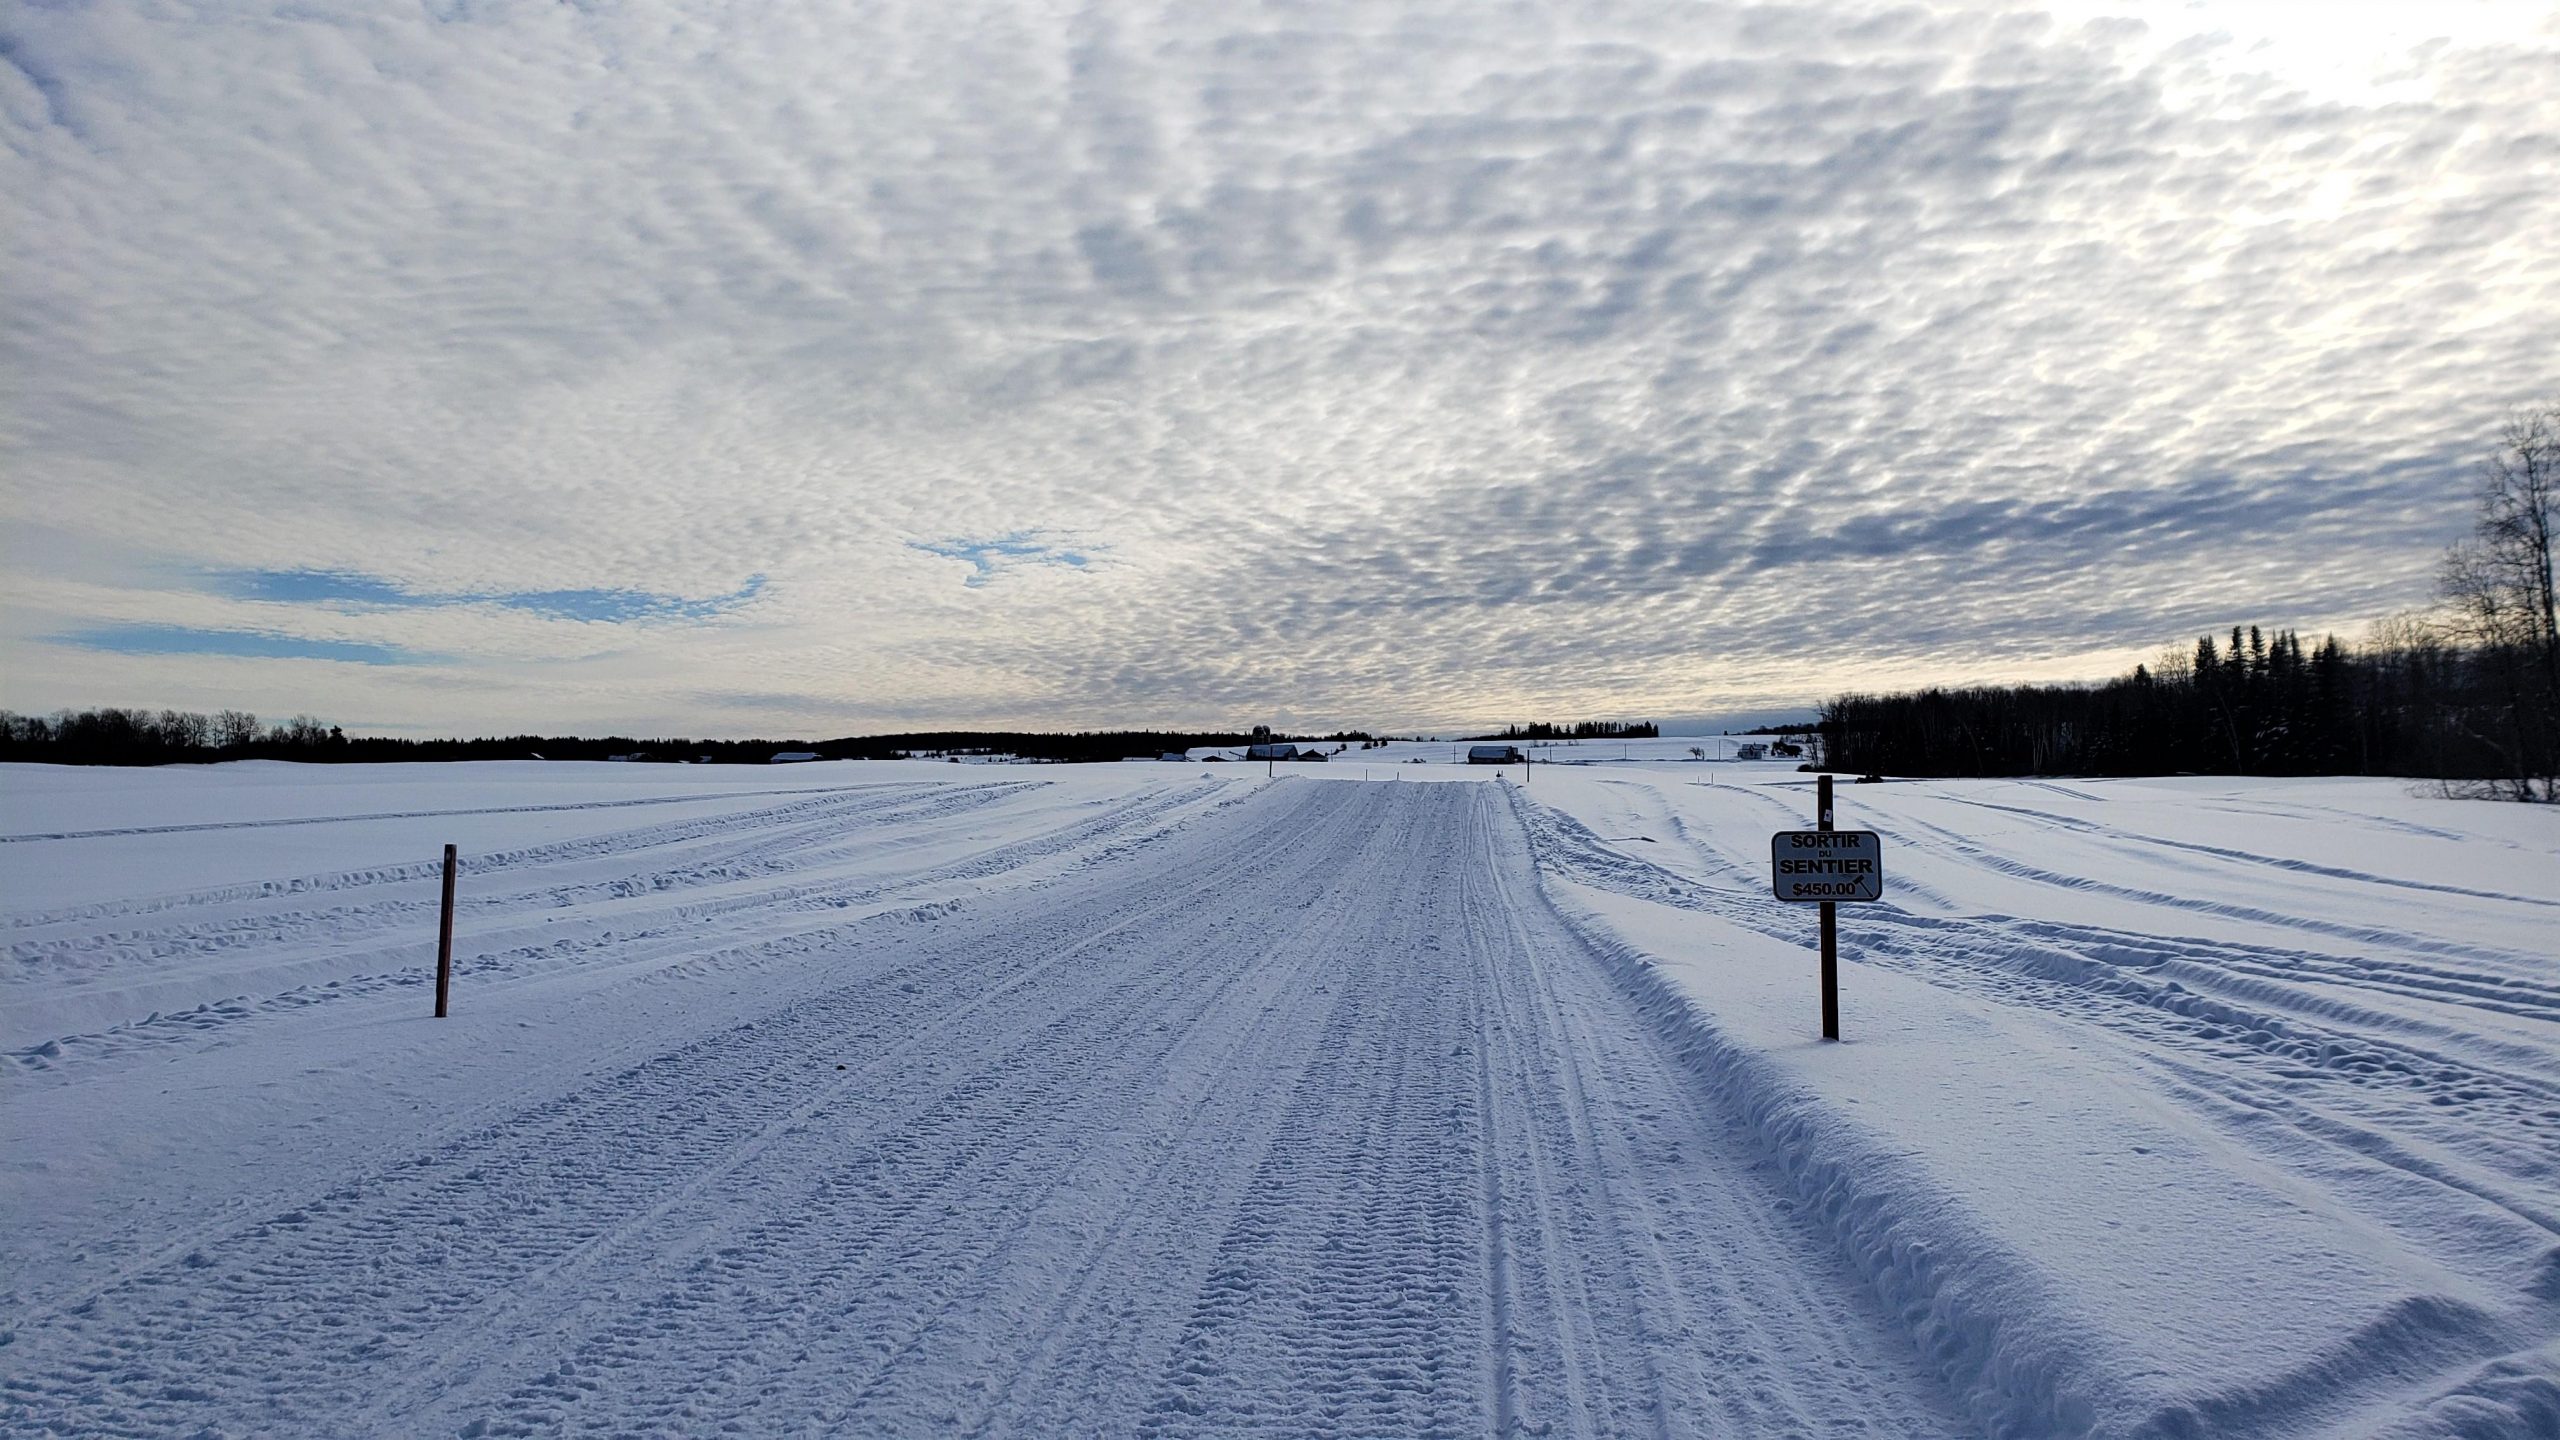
1364	1099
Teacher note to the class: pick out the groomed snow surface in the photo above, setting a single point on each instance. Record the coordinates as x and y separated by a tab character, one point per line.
1374	1099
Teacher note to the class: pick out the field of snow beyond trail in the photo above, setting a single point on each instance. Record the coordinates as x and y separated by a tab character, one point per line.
1314	1120
1372	1098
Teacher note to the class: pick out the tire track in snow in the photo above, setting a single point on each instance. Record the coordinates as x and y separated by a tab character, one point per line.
2087	969
729	825
881	1234
2136	839
679	855
2235	1033
1710	1286
1621	1251
1241	1134
288	820
503	1206
753	879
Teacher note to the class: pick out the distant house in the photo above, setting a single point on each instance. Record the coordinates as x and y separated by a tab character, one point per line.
1317	756
1751	751
1494	755
1271	751
794	757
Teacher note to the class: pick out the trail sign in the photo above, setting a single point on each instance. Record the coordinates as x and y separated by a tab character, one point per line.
1827	865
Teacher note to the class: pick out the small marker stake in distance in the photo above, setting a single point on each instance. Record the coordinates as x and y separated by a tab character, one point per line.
444	934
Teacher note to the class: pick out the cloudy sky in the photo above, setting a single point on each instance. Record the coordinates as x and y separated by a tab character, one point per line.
663	367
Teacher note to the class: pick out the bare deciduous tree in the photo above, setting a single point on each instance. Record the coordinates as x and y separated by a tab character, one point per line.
235	730
2498	587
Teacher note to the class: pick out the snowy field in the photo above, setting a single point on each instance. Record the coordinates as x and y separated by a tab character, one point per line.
1377	1099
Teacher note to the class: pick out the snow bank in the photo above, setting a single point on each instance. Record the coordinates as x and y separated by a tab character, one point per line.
2066	1226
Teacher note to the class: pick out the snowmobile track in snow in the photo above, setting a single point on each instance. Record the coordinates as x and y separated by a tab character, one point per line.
1311	1121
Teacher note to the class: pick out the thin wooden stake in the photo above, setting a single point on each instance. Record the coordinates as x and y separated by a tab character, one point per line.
444	934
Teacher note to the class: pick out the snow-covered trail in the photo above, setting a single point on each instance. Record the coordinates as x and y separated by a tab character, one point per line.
2415	1058
1314	1121
2345	1058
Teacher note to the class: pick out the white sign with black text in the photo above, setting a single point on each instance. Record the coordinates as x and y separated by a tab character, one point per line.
1827	864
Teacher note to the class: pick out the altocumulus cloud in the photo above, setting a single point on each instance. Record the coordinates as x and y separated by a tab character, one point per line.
1421	363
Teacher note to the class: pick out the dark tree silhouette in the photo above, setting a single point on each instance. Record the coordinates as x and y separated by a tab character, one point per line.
2498	593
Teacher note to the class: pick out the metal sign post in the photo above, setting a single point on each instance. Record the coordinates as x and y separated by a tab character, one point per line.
1827	867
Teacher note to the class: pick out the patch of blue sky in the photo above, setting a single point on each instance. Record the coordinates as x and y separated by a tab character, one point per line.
317	587
620	606
346	590
989	558
235	644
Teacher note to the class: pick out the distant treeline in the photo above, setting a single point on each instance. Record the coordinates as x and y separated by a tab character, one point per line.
1584	730
1086	746
2412	703
2467	693
114	736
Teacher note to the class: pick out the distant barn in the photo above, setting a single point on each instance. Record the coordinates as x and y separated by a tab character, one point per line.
794	757
1493	755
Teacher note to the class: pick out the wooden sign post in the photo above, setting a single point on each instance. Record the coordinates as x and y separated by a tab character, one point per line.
1827	867
1830	923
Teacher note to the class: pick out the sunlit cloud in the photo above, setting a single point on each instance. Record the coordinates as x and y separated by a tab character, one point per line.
1155	364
